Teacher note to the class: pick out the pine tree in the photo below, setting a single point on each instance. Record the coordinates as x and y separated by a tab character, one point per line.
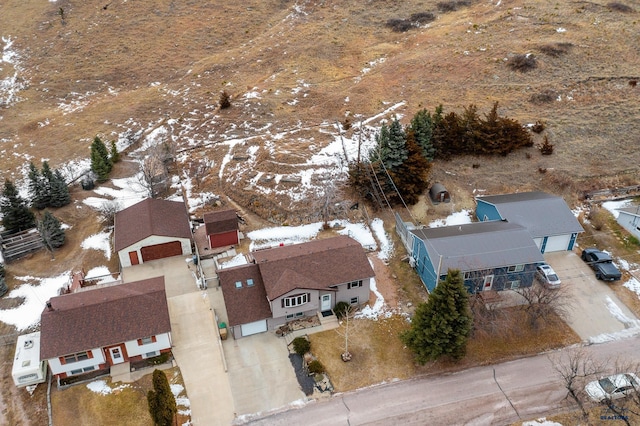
114	155
37	190
395	151
422	127
59	191
51	231
442	325
412	177
162	403
100	162
16	215
47	179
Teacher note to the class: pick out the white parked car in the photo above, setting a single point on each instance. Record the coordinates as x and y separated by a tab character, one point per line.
547	276
613	387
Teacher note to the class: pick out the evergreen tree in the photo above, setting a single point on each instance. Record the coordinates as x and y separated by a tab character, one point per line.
114	155
395	151
59	191
162	403
442	325
51	231
16	215
100	161
412	177
37	189
422	127
47	179
382	140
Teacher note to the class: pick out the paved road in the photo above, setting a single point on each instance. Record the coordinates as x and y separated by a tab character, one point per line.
501	394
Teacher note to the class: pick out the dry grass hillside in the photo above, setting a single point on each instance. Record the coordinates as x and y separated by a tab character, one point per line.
126	69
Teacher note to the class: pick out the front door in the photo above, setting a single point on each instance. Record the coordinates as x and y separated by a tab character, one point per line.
326	302
116	355
488	282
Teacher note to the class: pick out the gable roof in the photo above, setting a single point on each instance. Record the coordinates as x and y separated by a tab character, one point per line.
104	316
248	303
479	245
541	213
317	264
150	217
220	221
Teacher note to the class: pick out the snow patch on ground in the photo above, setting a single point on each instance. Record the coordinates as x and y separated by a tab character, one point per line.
632	326
101	387
386	245
181	401
613	206
457	218
99	242
35	292
101	272
542	421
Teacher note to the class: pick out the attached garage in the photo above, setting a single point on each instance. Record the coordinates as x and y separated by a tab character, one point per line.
160	251
556	243
253	328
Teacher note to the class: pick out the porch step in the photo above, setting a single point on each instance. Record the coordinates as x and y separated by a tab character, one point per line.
327	319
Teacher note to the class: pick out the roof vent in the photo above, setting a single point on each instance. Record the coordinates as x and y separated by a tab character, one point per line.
49	305
28	344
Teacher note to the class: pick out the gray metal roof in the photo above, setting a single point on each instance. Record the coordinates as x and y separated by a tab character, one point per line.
541	213
635	211
480	245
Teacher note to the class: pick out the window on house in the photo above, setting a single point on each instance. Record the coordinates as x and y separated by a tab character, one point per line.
514	284
250	282
354	284
468	275
295	300
151	354
80	356
515	268
146	340
82	370
296	315
354	300
238	284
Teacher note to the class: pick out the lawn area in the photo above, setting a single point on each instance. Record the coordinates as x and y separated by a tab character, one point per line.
110	403
379	355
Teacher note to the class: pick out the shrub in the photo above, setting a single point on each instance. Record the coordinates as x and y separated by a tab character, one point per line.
341	309
225	100
538	127
399	25
598	218
547	147
301	346
160	359
522	63
315	367
619	7
453	5
544	97
556	49
422	17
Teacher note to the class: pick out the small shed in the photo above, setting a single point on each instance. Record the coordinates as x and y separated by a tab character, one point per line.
28	369
439	194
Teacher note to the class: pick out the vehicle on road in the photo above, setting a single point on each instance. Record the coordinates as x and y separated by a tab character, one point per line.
602	264
547	276
613	387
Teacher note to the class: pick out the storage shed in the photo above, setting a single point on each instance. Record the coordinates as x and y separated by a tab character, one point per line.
28	368
439	194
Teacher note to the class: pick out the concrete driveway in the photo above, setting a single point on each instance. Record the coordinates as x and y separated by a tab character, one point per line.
596	311
261	375
223	379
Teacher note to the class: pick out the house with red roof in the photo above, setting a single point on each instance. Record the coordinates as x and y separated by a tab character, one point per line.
152	229
96	328
285	283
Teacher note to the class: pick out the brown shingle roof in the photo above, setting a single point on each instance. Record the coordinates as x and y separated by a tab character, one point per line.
104	316
246	304
150	217
221	221
317	264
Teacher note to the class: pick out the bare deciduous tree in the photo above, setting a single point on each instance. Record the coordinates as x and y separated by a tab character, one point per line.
153	172
108	211
576	369
540	302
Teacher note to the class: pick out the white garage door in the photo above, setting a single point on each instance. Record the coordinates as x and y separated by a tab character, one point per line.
254	328
557	243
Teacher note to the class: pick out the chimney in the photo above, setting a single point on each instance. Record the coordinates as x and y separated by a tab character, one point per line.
49	305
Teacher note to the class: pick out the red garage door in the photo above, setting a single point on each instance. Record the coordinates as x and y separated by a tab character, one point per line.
160	251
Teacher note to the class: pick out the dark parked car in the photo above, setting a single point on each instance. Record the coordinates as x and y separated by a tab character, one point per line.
602	264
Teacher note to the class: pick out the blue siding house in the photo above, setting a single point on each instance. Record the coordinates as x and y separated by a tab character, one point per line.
494	255
547	217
